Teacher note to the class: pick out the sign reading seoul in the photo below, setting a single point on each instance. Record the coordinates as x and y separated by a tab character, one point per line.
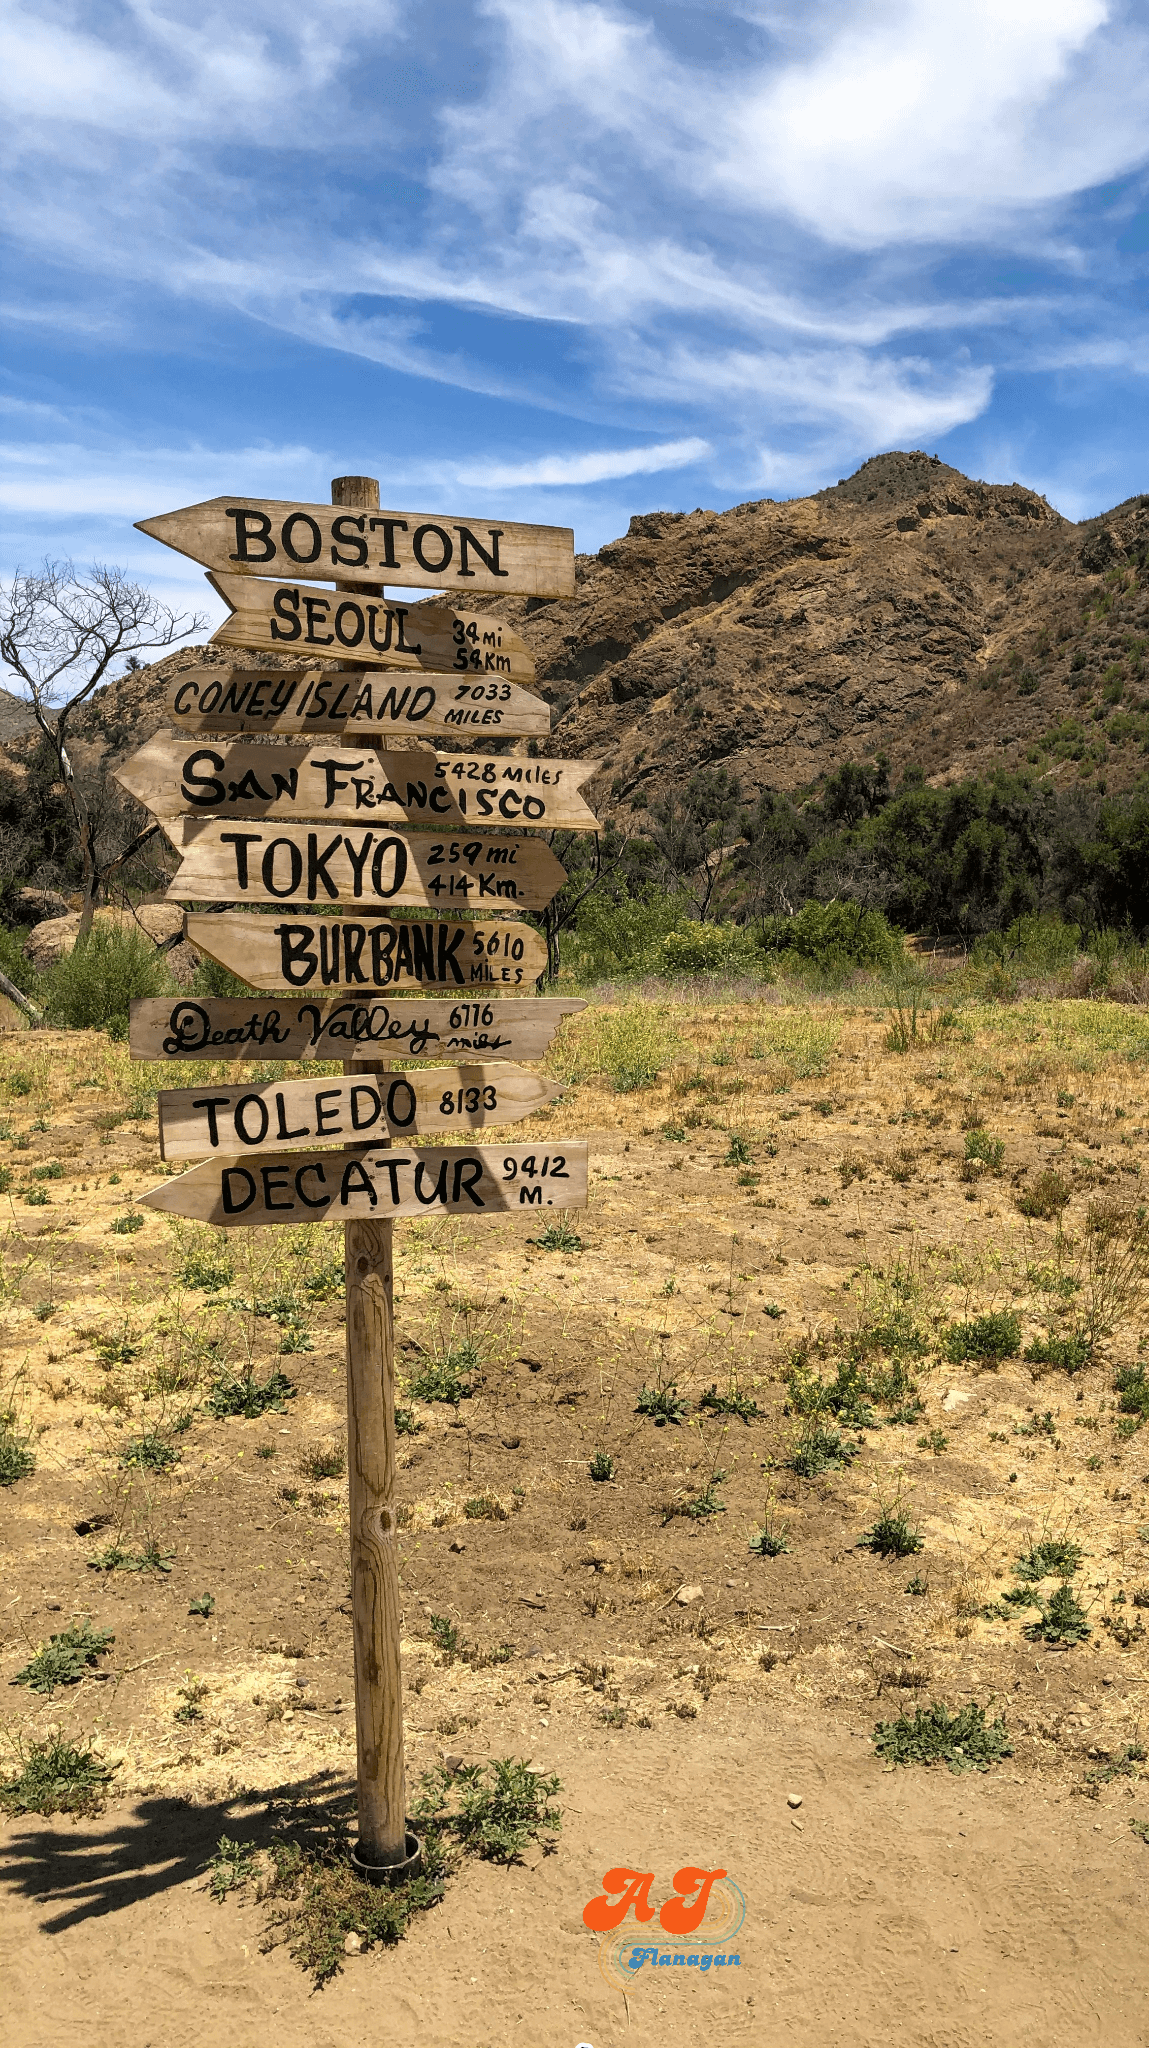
332	820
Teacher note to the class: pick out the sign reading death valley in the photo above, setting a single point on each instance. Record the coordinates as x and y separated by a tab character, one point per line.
293	863
283	618
374	953
321	543
288	1114
346	701
169	776
182	1028
364	1182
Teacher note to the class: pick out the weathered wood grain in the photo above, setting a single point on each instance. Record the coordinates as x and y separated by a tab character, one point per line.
365	954
254	1028
328	543
171	775
378	1182
353	701
294	863
288	618
288	1115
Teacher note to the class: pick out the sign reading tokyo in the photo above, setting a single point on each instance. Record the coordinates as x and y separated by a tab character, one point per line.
322	543
293	863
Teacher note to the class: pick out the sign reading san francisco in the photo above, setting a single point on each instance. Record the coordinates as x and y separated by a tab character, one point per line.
322	543
237	781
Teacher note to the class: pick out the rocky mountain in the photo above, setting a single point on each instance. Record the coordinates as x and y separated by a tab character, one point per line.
908	610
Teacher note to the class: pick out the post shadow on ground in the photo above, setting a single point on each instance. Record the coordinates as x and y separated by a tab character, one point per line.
82	1870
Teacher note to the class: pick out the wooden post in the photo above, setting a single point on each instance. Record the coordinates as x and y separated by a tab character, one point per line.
367	1250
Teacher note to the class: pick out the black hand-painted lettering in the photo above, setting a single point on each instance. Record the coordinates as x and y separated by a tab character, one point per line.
347	530
211	1103
241	841
251	526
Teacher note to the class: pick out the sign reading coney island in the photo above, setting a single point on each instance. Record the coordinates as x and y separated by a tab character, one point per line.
292	863
170	776
287	1114
324	544
364	1183
372	953
288	618
343	701
235	1028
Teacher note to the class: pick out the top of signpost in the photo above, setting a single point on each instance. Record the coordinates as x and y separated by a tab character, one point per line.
335	544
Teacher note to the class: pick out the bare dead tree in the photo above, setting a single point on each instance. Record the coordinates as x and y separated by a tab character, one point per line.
60	633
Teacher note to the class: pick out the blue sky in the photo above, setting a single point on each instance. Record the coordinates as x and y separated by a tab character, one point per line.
546	259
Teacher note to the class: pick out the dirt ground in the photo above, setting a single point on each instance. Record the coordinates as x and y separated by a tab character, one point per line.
996	1907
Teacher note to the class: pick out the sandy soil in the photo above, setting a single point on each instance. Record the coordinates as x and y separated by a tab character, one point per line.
950	1910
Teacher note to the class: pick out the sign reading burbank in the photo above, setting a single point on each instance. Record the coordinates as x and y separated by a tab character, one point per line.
329	952
282	618
343	700
363	1181
300	864
250	781
500	1029
327	544
290	1113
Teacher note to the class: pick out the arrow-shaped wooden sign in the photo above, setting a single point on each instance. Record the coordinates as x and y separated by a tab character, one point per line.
253	1028
323	953
286	1115
378	1182
327	544
428	638
293	863
347	701
453	790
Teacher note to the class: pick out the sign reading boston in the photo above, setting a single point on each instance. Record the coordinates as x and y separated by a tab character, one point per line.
324	544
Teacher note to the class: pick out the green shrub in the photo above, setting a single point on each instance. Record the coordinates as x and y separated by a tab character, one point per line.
243	1394
835	935
986	1340
1062	1620
821	1449
55	1777
982	1150
964	1741
602	1466
1064	1354
662	1404
708	949
127	1225
1053	1556
492	1810
558	1237
1131	1385
89	989
453	1376
17	1460
64	1658
1046	1195
151	1451
625	937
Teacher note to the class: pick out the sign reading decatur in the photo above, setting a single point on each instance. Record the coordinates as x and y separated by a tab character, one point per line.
341	700
170	776
380	953
308	864
364	1182
243	1028
327	544
288	1114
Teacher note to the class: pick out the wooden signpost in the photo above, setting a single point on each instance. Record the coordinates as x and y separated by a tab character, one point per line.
292	863
325	544
353	701
362	1181
429	638
192	1028
358	784
263	1148
287	1114
322	953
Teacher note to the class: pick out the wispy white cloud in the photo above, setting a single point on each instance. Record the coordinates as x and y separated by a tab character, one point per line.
596	468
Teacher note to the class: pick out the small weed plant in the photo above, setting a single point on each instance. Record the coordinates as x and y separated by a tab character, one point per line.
244	1394
732	1402
451	1376
964	1741
558	1237
55	1776
663	1404
65	1658
1062	1620
986	1340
